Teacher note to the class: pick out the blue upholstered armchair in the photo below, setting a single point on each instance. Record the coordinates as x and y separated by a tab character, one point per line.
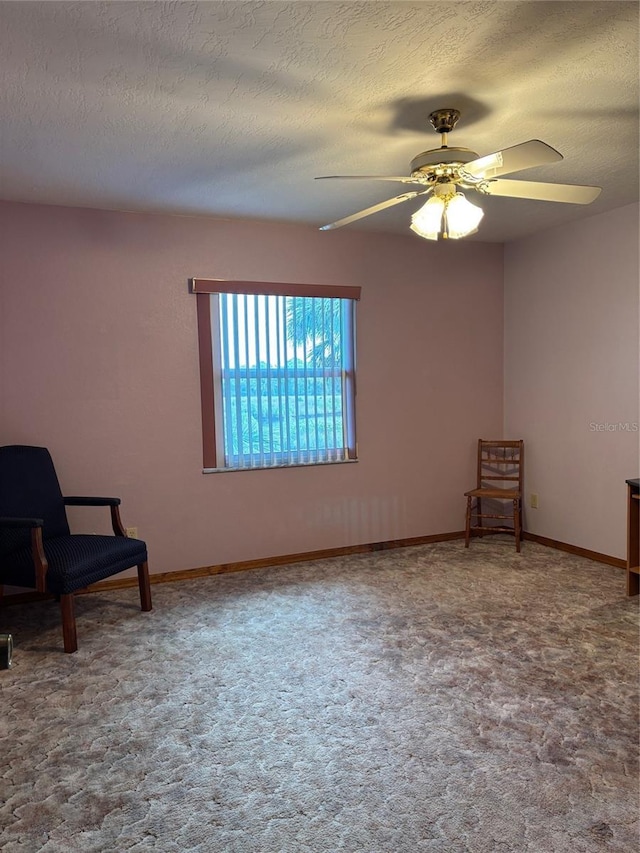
37	549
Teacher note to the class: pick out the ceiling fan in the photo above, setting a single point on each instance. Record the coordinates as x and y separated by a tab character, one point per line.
442	172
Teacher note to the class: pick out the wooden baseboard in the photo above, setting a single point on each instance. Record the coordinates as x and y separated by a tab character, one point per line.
282	560
327	553
574	549
246	565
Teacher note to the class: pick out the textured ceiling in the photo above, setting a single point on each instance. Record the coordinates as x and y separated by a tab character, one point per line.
232	108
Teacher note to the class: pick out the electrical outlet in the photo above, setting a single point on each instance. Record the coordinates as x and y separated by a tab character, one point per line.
534	501
132	532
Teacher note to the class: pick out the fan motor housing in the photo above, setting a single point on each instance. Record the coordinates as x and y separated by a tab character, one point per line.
428	159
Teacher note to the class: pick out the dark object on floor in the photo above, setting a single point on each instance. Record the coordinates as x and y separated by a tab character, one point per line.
37	549
500	464
6	651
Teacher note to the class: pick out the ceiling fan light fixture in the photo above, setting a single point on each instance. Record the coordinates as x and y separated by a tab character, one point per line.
462	217
447	213
427	221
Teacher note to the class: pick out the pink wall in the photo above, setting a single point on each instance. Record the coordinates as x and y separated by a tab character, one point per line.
99	363
571	364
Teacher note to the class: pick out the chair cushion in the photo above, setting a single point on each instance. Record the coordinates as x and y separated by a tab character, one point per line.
74	561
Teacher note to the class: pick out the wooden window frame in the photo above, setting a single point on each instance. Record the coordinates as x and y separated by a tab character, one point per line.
203	288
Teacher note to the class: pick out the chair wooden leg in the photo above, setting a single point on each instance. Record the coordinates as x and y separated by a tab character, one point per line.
145	586
478	514
520	528
517	523
467	533
69	634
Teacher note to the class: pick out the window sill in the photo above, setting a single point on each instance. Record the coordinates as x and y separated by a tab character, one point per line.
278	467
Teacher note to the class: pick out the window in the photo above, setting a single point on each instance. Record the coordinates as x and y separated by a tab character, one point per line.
277	374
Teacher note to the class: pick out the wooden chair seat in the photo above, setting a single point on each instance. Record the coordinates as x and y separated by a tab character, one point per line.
496	494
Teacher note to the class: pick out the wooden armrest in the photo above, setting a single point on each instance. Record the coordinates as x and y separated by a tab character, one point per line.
39	559
21	522
112	503
80	500
38	556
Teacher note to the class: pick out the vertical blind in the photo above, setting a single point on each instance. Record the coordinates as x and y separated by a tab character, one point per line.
283	376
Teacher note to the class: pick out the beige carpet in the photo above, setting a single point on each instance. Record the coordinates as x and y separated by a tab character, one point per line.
422	699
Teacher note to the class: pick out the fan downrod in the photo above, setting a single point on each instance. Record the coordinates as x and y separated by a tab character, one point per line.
444	120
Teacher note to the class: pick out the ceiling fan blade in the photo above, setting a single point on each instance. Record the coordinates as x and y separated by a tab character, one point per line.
526	155
405	179
374	209
570	193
